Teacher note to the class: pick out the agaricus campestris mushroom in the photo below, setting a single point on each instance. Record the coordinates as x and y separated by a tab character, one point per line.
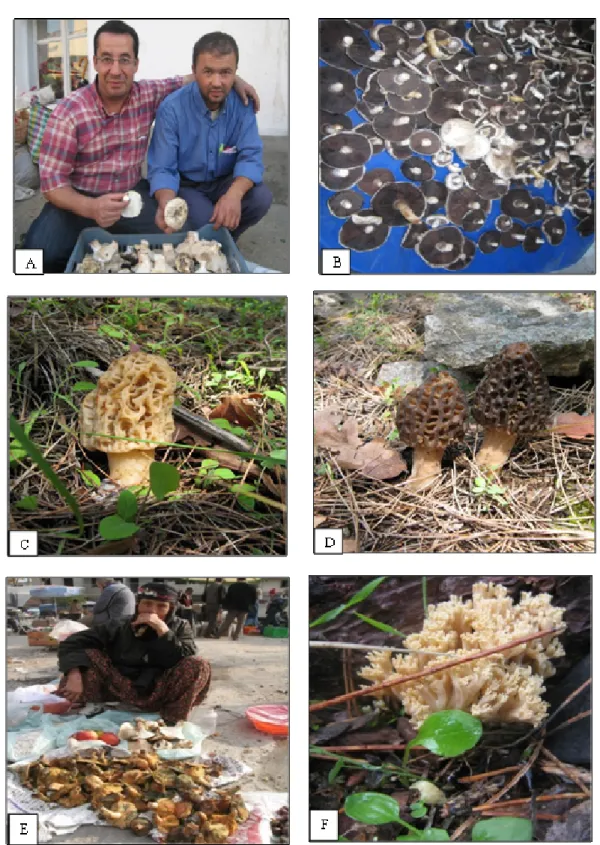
429	418
512	400
134	399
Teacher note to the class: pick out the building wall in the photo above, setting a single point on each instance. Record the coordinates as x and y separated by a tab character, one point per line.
166	48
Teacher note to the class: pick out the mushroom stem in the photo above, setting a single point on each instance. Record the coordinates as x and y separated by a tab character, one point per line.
495	448
131	468
427	465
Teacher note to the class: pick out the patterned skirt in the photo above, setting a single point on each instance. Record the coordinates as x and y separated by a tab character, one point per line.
174	694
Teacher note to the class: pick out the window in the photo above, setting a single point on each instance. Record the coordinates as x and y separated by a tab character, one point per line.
57	39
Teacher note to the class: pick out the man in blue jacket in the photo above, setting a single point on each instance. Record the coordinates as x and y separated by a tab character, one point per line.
206	147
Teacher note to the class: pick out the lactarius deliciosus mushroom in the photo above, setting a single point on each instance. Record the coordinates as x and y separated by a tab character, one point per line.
511	401
429	419
133	400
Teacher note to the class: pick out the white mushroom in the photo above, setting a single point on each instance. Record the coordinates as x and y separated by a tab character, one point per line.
175	213
134	204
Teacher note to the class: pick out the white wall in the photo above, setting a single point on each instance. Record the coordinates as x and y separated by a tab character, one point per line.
166	48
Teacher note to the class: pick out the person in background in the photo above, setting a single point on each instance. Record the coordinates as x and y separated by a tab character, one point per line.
214	595
148	662
253	614
75	611
115	604
240	598
185	609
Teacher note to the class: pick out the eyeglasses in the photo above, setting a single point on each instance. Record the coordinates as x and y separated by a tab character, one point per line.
107	61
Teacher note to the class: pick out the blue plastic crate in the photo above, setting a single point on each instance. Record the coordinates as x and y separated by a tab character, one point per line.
236	261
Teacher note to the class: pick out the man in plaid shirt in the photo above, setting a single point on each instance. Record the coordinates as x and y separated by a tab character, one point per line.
94	146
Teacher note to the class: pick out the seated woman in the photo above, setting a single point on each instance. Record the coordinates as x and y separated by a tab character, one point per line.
146	662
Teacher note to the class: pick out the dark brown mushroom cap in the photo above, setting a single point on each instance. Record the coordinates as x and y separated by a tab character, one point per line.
434	414
393	127
503	223
330	123
587	225
514	237
366	56
467	255
444	105
441	246
345	149
417	169
375	179
533	239
463	201
345	203
486	70
489	242
364	231
425	142
366	129
415	99
397	202
513	395
519	203
335	36
555	229
339	178
413	235
435	195
336	90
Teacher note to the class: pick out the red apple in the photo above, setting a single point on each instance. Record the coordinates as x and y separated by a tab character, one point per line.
109	739
81	736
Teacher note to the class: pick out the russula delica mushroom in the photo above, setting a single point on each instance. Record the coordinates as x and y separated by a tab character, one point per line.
134	400
512	400
429	419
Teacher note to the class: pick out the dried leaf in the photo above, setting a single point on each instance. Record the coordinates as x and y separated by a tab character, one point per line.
183	433
574	425
327	433
319	519
238	409
349	545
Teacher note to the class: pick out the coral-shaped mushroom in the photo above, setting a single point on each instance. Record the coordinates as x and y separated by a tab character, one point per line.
504	687
512	400
133	400
429	418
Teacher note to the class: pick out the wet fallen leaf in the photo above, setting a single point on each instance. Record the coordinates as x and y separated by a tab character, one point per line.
238	409
574	425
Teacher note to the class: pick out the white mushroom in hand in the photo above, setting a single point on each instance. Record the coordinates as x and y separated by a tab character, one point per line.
175	213
134	204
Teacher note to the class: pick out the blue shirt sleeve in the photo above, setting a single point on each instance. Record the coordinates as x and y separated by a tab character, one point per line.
249	149
163	155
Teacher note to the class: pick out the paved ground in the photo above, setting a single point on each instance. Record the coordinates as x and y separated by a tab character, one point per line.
253	670
267	243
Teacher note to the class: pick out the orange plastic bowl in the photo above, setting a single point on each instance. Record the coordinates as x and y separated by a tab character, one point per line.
270	718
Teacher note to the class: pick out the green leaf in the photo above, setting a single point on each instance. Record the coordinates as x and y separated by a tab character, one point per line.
494	489
279	454
111	331
209	463
224	472
90	478
27	503
83	385
278	396
503	829
37	457
246	502
127	505
115	528
163	479
366	591
418	810
329	616
432	834
480	482
381	626
448	733
334	771
372	808
243	487
85	364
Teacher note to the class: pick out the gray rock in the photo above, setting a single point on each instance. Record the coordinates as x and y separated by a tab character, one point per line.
576	827
414	373
466	329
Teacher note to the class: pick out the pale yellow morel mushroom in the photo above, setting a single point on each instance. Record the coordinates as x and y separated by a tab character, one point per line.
504	687
134	399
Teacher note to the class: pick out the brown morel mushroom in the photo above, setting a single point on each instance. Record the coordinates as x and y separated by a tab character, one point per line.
429	419
134	399
512	400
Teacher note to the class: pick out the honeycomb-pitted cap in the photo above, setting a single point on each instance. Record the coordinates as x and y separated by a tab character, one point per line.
513	395
433	415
